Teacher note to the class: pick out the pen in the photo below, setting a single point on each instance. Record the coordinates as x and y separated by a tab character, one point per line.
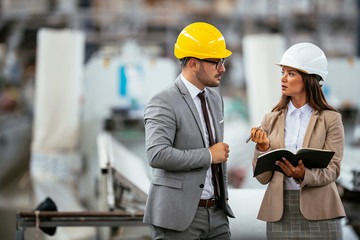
248	139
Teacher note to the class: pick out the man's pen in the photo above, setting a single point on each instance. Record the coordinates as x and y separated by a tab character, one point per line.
248	139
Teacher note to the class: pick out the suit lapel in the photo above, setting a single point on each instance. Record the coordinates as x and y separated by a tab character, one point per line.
282	130
276	126
310	127
190	102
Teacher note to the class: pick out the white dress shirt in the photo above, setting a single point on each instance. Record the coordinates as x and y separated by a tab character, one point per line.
296	122
208	190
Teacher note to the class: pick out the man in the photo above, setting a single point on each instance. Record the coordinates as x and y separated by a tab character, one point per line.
185	199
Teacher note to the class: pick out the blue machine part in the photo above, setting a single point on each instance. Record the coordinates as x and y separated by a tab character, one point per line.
122	81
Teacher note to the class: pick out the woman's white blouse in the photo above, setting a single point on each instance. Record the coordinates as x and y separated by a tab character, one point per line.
296	122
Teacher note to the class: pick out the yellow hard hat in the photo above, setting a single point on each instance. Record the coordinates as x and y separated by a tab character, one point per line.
201	40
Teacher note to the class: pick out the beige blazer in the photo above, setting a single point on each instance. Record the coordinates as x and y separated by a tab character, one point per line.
319	198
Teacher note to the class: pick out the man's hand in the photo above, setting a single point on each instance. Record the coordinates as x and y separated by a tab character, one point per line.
290	170
219	152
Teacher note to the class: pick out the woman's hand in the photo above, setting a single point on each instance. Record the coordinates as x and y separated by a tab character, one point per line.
259	136
290	170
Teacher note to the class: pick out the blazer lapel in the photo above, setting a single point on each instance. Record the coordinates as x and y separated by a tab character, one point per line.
276	126
190	102
310	127
282	117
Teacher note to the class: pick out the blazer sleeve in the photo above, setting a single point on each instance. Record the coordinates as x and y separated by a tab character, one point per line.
161	128
265	177
334	140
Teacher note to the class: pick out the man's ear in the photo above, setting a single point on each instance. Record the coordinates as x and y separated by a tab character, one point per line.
193	64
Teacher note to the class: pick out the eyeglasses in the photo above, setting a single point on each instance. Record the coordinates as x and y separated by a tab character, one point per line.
218	63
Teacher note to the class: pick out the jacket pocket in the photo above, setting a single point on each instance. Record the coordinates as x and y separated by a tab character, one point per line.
168	182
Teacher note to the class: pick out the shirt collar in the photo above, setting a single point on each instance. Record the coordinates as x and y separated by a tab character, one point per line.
306	109
193	90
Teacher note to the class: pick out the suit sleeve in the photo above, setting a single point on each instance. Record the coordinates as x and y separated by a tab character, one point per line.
161	130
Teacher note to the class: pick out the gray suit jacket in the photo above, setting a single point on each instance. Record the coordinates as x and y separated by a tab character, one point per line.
176	151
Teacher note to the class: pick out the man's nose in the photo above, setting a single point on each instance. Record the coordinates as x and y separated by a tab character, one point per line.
222	68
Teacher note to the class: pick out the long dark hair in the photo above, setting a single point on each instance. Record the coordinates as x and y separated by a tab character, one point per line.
314	94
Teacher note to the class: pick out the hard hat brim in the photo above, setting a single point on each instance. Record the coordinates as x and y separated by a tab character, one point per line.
180	53
301	70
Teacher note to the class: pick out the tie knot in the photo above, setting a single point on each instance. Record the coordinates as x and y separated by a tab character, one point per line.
201	95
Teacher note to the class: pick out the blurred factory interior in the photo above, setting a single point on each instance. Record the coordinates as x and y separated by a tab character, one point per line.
75	77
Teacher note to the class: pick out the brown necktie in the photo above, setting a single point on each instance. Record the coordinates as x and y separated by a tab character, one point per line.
214	167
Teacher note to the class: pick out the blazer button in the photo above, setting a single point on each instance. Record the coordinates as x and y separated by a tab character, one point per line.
201	185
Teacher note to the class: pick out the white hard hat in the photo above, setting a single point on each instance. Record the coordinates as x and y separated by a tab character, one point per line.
307	58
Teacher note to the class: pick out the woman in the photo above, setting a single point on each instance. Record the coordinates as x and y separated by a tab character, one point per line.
304	203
